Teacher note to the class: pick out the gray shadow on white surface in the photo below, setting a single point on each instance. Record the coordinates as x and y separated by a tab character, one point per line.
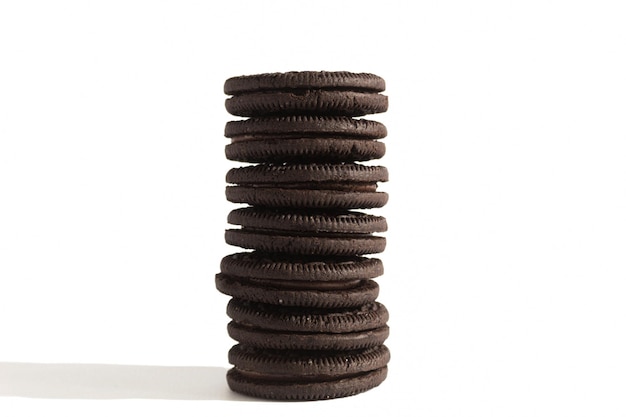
99	381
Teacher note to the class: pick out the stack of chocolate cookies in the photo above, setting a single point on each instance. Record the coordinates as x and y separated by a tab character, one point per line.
303	307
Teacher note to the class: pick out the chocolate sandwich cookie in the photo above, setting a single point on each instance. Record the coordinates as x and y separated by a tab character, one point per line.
306	233
285	127
330	176
274	339
305	150
332	244
303	390
286	364
321	102
310	268
305	375
328	186
340	221
299	80
305	198
321	294
308	320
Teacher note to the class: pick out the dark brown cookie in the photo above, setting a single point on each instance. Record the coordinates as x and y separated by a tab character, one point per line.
318	102
280	267
329	176
308	320
318	199
320	294
305	375
304	126
296	363
268	339
307	221
336	186
305	150
306	244
303	390
297	80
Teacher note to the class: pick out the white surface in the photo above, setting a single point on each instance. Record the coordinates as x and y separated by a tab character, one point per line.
505	272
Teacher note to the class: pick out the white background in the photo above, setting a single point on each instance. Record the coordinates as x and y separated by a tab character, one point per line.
505	267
